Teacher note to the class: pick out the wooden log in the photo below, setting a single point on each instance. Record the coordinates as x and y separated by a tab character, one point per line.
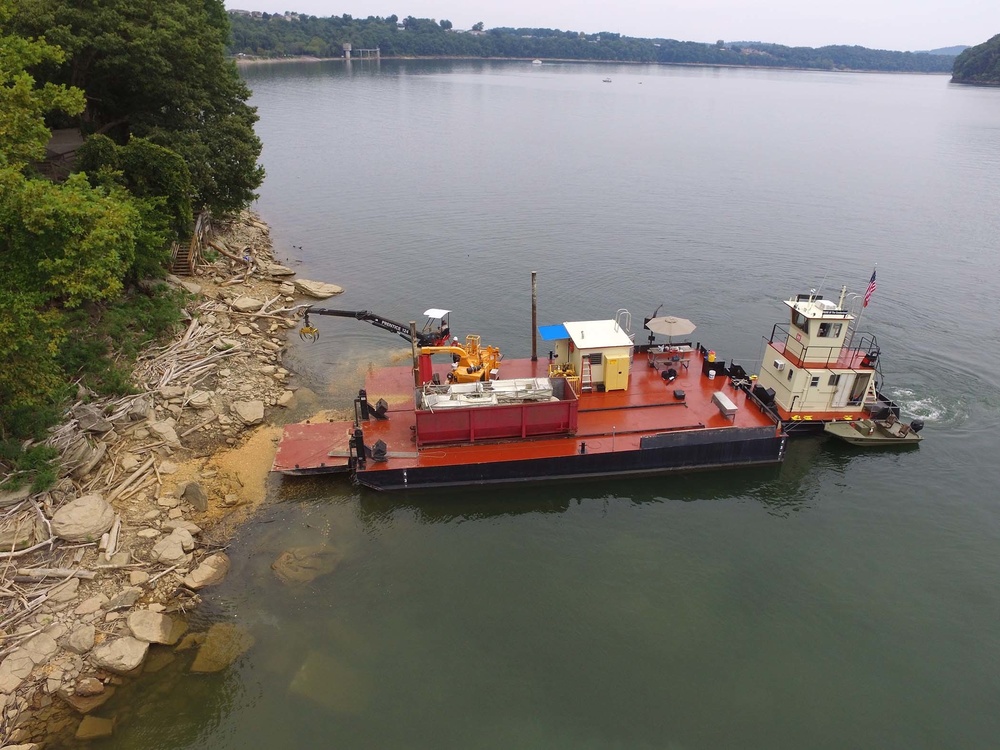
131	480
37	574
231	256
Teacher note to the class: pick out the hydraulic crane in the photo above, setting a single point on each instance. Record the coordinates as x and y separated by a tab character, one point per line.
435	332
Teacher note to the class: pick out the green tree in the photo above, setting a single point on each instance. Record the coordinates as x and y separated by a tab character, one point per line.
478	26
979	64
157	70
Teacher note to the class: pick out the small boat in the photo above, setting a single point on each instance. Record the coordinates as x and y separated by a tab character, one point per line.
607	80
536	61
873	433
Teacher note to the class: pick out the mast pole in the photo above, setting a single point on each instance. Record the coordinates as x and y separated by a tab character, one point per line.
857	321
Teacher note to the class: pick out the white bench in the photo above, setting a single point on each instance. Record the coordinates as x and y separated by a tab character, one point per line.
726	406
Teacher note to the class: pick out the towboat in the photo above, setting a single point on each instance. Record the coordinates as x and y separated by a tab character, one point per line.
878	433
597	406
818	368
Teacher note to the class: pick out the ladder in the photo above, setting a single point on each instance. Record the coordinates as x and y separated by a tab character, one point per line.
586	379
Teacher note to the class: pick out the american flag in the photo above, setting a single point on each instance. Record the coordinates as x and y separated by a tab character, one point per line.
870	291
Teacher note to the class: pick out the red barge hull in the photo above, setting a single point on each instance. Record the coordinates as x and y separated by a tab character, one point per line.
655	426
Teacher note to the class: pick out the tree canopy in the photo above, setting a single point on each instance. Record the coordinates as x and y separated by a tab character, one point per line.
170	132
157	70
979	64
298	34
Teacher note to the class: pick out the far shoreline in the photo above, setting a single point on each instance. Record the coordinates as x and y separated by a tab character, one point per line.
253	61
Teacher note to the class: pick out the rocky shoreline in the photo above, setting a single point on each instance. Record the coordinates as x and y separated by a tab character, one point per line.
99	571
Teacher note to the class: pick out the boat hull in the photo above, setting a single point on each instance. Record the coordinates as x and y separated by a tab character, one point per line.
869	433
657	454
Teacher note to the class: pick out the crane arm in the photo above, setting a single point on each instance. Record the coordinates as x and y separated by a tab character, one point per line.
402	329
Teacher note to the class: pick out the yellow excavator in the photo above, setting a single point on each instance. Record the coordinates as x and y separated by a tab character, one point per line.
470	363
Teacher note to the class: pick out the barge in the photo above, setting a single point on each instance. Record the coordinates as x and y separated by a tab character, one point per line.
598	406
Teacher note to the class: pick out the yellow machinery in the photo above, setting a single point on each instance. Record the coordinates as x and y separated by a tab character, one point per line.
472	362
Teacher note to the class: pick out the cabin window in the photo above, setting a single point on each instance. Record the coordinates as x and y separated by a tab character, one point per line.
799	320
830	330
791	371
834	380
814	382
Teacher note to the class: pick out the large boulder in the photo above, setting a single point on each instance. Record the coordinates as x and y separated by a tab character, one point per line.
81	640
211	571
173	549
21	530
84	519
166	430
249	412
14	496
224	644
194	493
317	289
89	418
121	655
155	627
246	304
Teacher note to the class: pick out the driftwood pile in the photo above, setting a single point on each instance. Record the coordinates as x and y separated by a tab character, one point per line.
191	396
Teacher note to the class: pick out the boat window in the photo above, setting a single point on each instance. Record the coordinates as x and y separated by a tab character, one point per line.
814	382
799	320
828	330
834	380
791	371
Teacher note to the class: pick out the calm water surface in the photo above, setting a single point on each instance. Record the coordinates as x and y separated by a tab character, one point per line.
843	600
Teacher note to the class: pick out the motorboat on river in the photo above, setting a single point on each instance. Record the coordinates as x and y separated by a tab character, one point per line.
876	433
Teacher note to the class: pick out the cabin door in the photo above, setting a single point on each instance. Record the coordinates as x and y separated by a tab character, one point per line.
860	388
843	388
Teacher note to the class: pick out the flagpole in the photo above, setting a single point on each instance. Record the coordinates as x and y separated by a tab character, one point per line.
867	295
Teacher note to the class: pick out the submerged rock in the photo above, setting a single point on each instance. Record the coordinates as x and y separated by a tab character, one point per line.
224	644
94	727
331	683
303	564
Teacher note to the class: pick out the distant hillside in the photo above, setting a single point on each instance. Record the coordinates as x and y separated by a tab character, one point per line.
293	34
979	64
948	51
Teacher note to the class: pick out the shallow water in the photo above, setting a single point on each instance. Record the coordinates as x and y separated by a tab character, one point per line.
845	599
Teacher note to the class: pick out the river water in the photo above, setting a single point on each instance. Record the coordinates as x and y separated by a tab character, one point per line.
842	600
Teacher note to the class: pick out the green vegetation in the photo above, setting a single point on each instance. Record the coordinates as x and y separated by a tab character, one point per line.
169	134
980	64
295	34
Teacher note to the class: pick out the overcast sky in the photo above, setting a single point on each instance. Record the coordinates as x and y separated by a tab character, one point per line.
880	24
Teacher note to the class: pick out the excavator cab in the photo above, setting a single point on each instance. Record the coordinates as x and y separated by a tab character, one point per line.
437	329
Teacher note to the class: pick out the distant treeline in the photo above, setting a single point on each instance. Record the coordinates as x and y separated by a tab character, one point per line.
293	34
979	64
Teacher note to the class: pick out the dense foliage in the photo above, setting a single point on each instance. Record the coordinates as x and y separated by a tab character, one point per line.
170	132
980	64
295	34
157	70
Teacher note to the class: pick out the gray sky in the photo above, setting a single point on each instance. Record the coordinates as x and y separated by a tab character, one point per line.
880	24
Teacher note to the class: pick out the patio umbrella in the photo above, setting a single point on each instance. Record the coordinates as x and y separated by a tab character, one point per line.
670	326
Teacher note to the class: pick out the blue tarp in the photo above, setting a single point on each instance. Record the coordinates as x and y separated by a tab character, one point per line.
553	333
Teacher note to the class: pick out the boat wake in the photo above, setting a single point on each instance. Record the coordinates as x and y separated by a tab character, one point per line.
924	407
